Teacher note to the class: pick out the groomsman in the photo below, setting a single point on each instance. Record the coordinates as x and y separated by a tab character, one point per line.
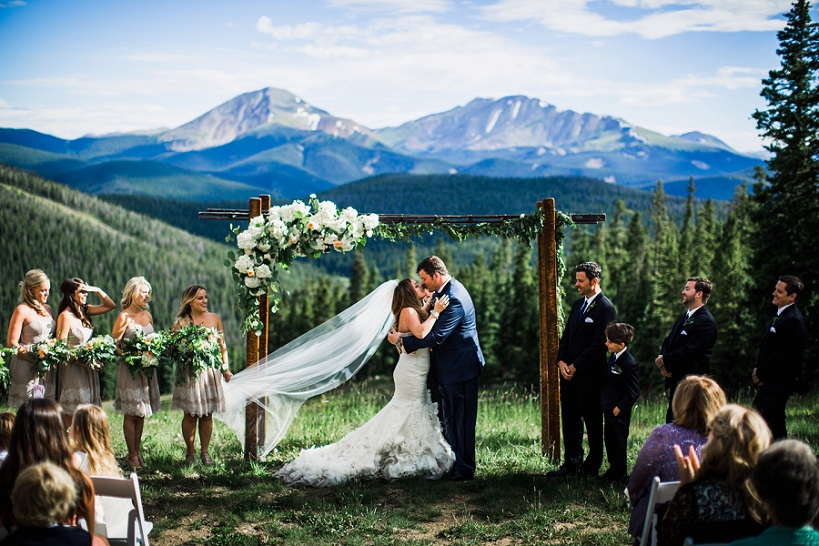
779	364
581	358
687	349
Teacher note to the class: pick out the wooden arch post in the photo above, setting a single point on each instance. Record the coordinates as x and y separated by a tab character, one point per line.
549	378
256	350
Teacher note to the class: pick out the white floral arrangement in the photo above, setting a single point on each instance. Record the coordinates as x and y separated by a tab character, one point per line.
273	241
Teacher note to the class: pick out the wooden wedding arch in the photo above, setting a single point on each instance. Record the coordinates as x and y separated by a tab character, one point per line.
548	299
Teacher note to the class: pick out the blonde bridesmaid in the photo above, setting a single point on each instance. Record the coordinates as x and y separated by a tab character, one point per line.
31	322
136	397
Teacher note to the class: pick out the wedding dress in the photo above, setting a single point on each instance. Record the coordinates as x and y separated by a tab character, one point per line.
404	439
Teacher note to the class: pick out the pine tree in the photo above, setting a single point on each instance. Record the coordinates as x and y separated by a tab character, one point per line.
359	277
687	232
411	262
704	242
787	218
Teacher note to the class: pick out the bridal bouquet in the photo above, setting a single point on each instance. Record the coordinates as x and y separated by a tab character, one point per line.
145	353
96	352
6	355
287	232
195	349
48	354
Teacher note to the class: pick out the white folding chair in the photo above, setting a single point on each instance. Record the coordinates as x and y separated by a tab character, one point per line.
122	488
661	492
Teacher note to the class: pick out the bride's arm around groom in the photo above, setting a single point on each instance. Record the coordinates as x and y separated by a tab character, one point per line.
457	359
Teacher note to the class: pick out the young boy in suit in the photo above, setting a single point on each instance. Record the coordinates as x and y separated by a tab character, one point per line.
621	387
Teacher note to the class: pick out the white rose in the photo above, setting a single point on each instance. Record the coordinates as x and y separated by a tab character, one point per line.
328	208
349	214
370	221
347	244
264	246
314	223
252	282
274	214
263	272
246	240
244	264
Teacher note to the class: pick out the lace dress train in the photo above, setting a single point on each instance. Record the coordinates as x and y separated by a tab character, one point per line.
404	439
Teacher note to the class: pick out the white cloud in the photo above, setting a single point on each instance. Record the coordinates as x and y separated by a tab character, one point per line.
399	6
13	4
664	17
162	57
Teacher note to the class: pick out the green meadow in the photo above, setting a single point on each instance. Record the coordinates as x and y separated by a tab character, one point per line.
510	501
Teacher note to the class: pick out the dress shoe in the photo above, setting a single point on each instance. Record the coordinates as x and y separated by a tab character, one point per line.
564	472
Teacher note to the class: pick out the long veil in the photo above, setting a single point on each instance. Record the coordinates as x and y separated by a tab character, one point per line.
318	361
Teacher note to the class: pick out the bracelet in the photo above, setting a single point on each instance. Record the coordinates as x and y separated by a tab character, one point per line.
435	313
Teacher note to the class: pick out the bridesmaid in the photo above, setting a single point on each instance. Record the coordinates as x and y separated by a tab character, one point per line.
201	397
32	321
136	397
78	384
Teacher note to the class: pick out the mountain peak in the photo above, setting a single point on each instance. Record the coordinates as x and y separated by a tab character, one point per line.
251	111
704	139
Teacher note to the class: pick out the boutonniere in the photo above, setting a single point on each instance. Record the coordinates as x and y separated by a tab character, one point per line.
689	321
590	307
776	319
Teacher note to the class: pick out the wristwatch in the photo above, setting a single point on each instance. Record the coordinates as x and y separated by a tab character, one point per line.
399	344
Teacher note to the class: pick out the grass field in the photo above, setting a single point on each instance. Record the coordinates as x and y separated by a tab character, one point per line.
509	502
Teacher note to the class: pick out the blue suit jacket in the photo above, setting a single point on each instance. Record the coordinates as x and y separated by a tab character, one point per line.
456	351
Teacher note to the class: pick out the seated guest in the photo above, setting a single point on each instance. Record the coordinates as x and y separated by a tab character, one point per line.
786	478
6	423
91	437
44	498
716	501
696	400
38	436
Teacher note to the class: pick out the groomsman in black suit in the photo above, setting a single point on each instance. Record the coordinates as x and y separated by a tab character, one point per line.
581	358
687	349
779	364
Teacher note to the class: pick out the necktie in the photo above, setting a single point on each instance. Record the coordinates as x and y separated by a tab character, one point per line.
611	362
582	310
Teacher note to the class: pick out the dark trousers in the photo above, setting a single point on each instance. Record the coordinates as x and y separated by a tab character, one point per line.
460	405
771	405
580	405
669	414
435	393
615	434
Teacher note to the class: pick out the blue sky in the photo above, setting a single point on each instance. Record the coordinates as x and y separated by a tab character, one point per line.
95	67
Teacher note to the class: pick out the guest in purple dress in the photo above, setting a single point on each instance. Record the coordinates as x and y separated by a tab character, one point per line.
696	400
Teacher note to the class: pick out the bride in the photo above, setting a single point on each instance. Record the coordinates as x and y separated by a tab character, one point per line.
404	439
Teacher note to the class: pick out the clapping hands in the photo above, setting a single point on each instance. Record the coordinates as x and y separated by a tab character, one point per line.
688	465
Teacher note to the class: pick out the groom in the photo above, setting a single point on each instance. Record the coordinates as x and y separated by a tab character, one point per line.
458	361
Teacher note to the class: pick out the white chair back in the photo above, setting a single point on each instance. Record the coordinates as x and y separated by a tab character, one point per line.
661	492
122	488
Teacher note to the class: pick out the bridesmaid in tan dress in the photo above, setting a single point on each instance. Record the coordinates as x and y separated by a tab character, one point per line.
78	384
32	321
200	397
136	397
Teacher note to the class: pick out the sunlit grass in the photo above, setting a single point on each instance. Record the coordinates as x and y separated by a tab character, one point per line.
510	501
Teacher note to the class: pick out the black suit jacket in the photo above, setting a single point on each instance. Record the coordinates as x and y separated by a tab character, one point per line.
456	351
779	363
687	349
621	387
583	342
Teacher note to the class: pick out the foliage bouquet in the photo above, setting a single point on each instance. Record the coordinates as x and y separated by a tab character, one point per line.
145	353
48	354
97	352
6	354
290	231
195	349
